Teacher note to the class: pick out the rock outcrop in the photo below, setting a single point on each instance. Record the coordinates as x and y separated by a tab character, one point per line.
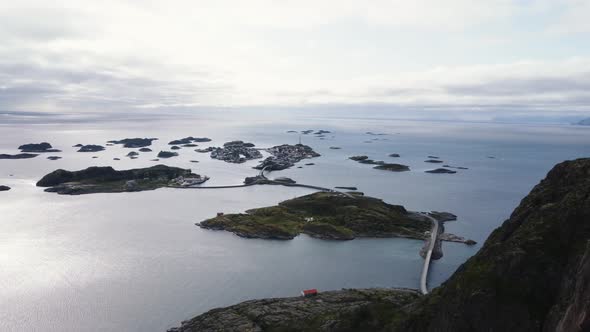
134	142
285	156
167	154
440	171
393	167
91	148
108	180
345	310
189	140
18	156
37	147
531	274
236	152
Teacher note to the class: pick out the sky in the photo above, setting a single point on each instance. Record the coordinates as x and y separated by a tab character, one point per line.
523	57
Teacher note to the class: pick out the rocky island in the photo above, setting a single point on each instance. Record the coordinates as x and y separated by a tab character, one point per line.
440	171
40	147
532	274
189	140
366	160
285	156
324	215
235	152
167	154
455	167
91	148
393	167
108	180
18	156
134	142
327	311
206	150
358	158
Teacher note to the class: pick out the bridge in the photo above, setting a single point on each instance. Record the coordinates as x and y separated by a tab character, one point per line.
265	180
433	238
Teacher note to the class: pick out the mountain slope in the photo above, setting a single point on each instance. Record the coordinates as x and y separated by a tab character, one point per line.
527	273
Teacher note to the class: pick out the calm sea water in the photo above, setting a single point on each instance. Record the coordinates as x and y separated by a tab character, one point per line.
136	262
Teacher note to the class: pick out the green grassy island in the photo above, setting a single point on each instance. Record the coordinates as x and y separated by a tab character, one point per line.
108	180
333	216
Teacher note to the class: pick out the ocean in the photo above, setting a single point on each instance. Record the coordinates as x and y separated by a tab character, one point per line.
137	262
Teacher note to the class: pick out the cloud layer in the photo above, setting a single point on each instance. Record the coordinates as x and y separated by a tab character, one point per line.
452	55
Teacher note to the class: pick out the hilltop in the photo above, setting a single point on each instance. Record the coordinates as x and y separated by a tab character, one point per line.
325	215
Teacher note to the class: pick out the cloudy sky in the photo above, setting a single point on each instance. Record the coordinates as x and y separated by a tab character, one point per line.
521	55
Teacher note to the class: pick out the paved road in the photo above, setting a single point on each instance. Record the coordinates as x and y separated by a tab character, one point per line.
267	180
302	185
433	236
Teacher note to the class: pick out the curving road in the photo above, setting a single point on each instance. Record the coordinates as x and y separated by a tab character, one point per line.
433	236
268	181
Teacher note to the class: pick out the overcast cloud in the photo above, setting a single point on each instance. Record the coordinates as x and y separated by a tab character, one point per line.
95	56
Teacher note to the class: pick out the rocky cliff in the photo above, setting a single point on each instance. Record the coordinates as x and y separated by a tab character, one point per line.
532	274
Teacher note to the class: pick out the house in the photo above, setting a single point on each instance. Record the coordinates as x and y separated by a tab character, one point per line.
309	292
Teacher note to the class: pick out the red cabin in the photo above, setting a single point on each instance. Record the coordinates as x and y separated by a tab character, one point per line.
309	292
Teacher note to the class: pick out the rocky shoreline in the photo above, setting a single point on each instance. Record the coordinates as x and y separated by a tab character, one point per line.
324	215
108	180
236	152
18	156
134	142
327	311
40	147
441	218
91	148
286	156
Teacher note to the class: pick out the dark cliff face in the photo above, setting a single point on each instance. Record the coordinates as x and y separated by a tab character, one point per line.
533	272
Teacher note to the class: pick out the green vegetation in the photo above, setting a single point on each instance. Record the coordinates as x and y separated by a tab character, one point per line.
524	277
345	310
109	180
324	215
